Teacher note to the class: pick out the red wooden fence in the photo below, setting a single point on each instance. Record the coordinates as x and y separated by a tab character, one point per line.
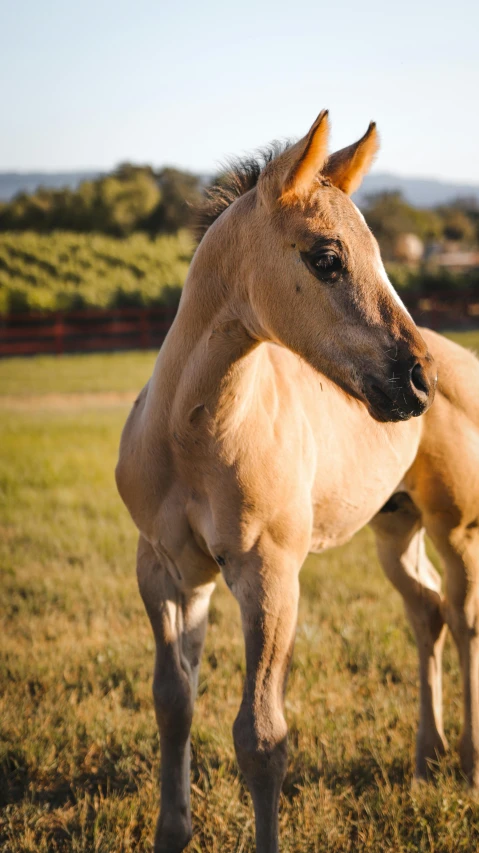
83	331
445	311
145	328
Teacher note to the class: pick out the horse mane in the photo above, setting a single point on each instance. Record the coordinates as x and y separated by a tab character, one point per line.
239	176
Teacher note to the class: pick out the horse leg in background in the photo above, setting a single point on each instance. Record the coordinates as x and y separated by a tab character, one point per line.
401	549
268	597
459	548
179	626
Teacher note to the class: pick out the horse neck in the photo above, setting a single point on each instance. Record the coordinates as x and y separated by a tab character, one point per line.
209	355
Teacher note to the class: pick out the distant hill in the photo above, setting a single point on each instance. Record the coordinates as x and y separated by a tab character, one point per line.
421	192
12	183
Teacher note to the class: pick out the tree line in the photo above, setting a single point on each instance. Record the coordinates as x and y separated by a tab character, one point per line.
139	198
131	198
389	215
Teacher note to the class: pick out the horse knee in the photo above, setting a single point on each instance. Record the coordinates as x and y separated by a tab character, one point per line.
261	747
463	620
426	613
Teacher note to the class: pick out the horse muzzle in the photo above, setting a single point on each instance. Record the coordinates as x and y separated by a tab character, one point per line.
406	393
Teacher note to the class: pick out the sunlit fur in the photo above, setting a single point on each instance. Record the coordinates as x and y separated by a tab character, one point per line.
286	408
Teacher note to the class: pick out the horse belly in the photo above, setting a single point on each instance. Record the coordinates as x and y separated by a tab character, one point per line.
337	522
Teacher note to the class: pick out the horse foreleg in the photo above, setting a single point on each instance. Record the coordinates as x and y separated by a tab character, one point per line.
401	550
268	597
459	548
179	625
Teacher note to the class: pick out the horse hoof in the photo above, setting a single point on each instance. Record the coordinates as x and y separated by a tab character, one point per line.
428	754
469	758
171	839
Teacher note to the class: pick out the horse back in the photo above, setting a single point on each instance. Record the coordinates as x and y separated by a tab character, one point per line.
444	479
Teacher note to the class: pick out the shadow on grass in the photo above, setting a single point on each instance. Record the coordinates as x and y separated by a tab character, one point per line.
17	783
360	774
13	777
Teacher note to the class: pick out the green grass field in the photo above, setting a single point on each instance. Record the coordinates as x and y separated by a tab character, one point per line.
79	749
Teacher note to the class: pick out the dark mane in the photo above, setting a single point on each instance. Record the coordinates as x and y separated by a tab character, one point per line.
239	177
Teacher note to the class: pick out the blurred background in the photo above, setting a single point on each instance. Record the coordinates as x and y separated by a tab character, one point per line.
117	115
114	117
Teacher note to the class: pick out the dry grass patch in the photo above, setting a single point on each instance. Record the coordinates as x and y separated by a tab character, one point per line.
78	743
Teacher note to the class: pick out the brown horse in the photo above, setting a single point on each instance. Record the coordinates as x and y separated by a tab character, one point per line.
288	407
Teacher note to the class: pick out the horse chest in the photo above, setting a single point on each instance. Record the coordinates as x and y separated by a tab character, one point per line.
225	483
354	479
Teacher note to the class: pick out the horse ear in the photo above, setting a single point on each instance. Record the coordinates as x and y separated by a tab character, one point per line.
313	151
347	168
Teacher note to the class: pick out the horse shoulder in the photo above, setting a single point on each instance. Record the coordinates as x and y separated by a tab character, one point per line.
253	471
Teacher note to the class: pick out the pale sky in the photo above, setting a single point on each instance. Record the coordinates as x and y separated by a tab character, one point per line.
94	83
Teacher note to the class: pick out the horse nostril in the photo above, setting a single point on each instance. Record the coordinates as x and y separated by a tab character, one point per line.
418	379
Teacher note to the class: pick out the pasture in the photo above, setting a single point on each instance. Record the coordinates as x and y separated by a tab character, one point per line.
79	748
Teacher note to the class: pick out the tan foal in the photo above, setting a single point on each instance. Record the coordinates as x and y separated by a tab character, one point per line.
289	403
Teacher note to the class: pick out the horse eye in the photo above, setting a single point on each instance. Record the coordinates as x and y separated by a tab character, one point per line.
327	263
324	263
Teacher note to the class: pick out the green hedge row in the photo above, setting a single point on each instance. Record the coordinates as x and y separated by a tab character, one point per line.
430	281
67	271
